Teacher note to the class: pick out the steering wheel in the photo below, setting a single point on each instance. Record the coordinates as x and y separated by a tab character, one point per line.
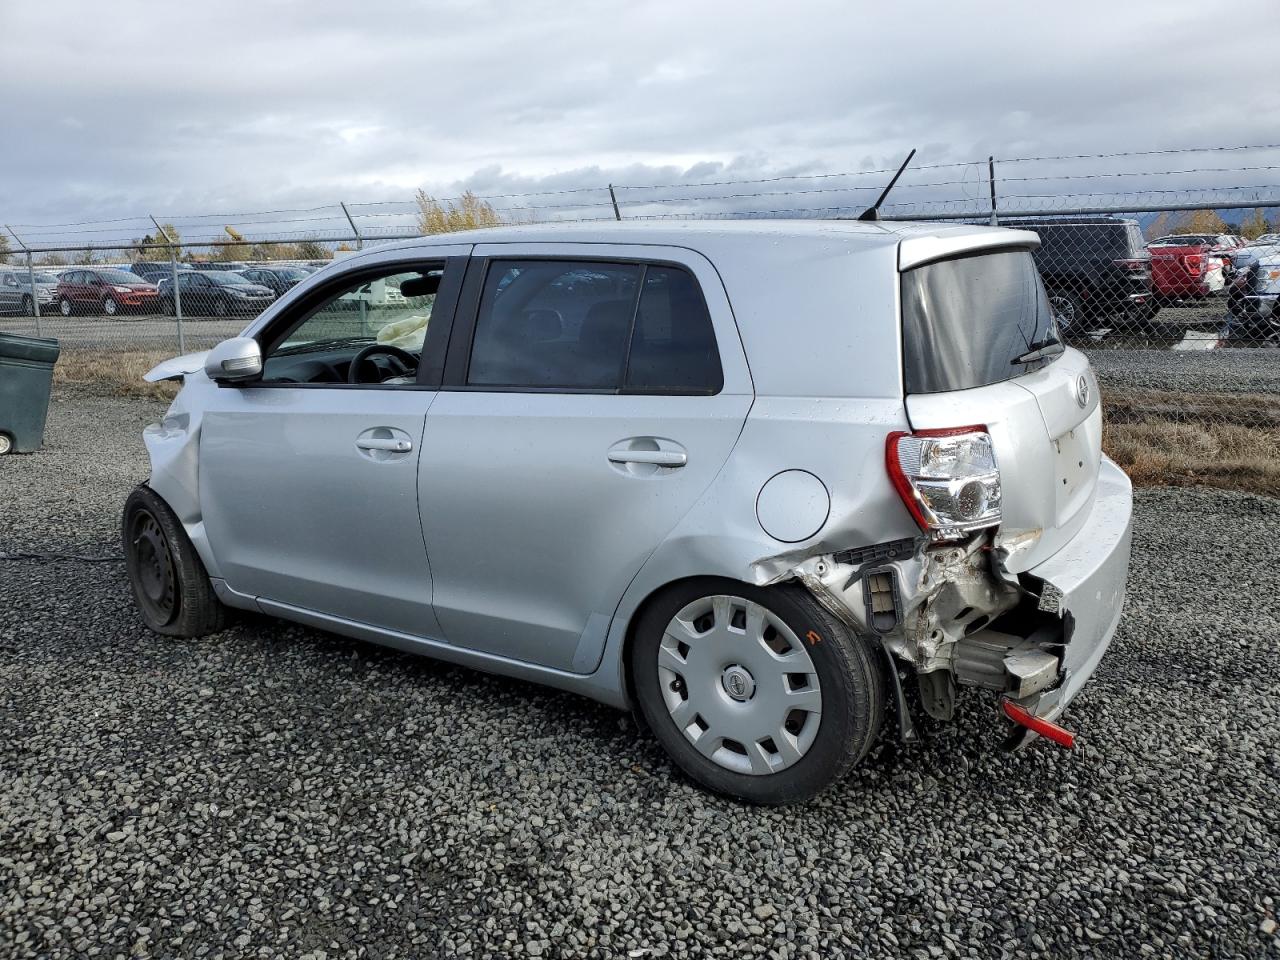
407	362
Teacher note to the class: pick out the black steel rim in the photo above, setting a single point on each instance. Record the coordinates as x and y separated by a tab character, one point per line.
154	576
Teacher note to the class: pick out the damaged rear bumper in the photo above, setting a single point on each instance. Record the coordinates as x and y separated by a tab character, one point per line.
1089	573
953	615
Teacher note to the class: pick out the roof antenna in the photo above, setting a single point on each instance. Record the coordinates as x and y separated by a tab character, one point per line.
873	212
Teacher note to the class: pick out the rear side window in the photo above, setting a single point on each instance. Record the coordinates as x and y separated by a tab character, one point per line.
673	349
974	321
585	325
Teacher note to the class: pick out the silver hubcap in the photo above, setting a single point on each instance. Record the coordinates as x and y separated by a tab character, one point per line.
110	306
739	685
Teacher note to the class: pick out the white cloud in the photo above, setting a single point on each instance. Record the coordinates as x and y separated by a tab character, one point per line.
241	106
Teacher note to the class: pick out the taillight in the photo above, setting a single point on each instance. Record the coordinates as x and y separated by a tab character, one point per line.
1133	266
1194	262
948	479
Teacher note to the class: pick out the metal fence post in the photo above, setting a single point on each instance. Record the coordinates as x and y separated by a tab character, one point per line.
991	179
617	214
35	297
177	294
354	229
31	278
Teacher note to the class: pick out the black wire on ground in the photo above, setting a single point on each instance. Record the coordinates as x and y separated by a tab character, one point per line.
81	558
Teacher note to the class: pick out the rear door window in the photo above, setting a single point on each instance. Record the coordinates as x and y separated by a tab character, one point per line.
554	324
575	325
973	321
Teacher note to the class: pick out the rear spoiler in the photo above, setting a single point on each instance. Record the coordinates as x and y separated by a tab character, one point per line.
917	251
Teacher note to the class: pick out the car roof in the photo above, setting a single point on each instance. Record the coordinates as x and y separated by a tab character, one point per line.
921	242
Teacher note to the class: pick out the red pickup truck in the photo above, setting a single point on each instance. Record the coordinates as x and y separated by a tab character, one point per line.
1186	267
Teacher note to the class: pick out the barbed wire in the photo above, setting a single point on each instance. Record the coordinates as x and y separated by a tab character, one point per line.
790	194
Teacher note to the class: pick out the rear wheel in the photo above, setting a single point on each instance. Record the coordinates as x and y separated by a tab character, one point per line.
28	306
1068	308
756	693
169	582
6	444
65	308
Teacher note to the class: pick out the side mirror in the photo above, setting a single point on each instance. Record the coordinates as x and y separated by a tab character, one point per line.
234	360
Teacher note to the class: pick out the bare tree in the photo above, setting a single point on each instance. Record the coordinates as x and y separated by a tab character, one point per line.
1254	225
1200	221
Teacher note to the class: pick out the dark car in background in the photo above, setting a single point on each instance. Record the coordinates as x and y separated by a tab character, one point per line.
215	265
279	279
152	271
106	290
216	293
1096	270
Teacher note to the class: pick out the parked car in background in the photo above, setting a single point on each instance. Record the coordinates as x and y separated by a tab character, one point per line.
106	290
216	293
1252	300
1096	270
152	271
215	265
279	279
1185	267
559	453
16	295
1245	256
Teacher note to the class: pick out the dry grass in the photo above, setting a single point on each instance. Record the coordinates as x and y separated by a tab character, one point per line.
1164	453
116	372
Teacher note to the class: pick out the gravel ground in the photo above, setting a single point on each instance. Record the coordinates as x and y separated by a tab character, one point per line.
275	791
1224	370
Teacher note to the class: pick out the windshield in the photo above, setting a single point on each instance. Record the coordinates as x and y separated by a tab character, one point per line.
46	278
230	278
120	276
290	273
974	321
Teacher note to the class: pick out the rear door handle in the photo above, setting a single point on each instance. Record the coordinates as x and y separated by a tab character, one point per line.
647	456
660	458
390	444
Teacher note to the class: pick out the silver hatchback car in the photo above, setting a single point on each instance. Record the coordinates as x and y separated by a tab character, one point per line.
775	486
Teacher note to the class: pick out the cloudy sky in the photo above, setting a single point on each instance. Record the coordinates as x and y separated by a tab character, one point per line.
118	109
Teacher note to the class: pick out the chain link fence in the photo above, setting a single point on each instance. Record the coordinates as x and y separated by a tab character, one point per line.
1163	266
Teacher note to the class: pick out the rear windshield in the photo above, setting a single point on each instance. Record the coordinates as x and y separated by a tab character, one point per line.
974	321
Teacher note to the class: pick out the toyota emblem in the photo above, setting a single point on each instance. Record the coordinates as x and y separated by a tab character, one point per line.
1082	390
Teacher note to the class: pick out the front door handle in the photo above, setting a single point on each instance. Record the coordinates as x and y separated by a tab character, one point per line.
384	444
659	458
389	444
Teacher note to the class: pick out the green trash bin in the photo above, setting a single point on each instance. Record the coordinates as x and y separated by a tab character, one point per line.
26	378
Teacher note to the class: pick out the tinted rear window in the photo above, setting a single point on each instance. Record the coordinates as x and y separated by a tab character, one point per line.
582	325
965	321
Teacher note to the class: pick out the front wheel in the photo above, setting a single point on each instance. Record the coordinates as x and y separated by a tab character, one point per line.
65	308
110	307
220	308
28	307
170	585
757	693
